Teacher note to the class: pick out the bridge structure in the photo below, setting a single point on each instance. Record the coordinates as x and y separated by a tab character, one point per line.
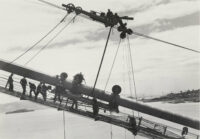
88	94
146	128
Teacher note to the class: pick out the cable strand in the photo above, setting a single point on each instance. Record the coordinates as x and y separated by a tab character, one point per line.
101	62
47	44
112	65
34	45
132	69
173	44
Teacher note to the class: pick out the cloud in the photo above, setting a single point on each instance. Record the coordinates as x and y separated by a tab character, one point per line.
143	6
65	43
160	25
166	11
59	44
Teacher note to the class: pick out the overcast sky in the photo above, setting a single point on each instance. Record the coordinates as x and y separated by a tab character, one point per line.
159	68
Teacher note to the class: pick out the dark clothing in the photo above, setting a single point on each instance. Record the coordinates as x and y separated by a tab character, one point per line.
75	92
23	83
133	125
113	103
10	83
184	131
58	91
38	90
95	107
44	91
32	89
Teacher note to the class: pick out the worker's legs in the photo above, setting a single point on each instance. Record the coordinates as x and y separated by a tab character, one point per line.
36	94
11	87
44	94
30	93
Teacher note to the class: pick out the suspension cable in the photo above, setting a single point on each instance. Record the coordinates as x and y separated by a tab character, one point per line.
136	33
101	62
64	124
47	44
112	65
132	69
111	132
39	40
128	69
173	44
111	129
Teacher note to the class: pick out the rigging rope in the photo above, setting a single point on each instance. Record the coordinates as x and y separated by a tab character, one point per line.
173	44
40	39
132	69
101	62
111	132
112	65
47	44
64	124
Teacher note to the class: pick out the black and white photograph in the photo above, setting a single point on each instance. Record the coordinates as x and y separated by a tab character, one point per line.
99	69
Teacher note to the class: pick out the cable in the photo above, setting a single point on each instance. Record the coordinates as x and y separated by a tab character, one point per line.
156	39
111	130
132	69
53	5
112	65
130	54
39	40
101	61
111	133
136	33
64	124
47	44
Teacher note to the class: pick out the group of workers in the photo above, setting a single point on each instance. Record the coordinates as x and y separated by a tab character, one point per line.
40	89
59	90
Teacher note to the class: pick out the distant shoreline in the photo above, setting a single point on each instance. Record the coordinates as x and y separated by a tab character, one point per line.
182	97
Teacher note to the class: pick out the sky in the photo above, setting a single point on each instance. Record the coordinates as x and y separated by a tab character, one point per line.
158	68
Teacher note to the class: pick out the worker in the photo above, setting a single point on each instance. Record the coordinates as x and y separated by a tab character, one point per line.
63	77
77	80
133	125
38	90
32	89
59	89
57	93
184	131
10	83
95	109
23	83
44	91
116	90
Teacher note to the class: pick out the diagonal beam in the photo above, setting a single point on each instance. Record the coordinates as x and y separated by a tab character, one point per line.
100	94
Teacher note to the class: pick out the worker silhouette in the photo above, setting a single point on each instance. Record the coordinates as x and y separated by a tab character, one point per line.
184	131
23	83
38	90
133	125
44	91
10	83
95	108
59	89
77	80
116	90
32	89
